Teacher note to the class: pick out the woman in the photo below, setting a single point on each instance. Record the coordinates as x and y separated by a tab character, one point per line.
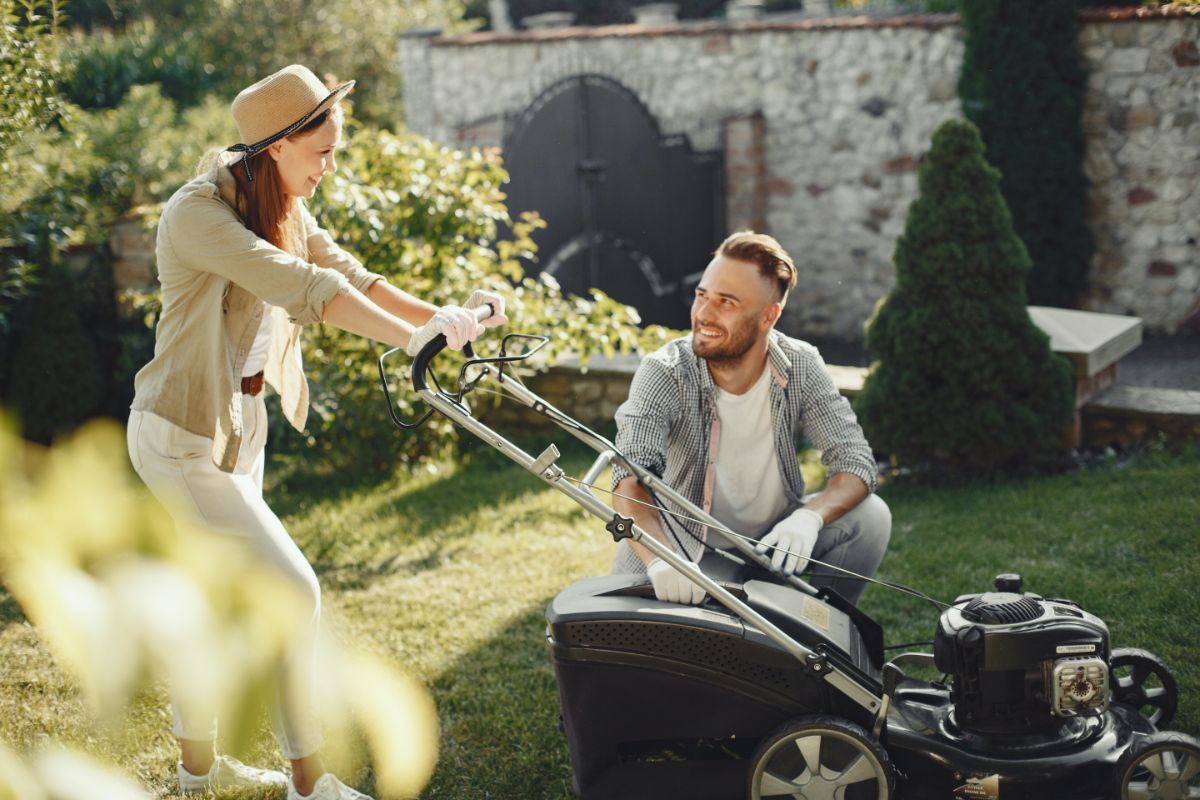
243	265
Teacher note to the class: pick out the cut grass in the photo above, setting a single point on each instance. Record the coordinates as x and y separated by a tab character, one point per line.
446	573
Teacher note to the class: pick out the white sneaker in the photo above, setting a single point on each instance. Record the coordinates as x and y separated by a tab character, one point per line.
327	787
229	773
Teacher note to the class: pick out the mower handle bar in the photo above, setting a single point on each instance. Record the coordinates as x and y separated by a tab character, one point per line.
545	468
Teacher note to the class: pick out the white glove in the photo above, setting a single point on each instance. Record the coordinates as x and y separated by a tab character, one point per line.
458	324
793	538
479	297
671	585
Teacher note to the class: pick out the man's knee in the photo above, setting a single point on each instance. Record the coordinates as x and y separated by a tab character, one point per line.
876	517
869	523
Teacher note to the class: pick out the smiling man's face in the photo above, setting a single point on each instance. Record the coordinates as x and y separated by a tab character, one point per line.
734	308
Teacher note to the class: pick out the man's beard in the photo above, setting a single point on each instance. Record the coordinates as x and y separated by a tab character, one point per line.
736	344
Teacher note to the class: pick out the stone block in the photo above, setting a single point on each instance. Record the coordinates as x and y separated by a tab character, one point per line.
1163	214
901	164
1140	195
1123	34
780	186
1186	54
1130	60
1162	269
942	90
1141	117
130	273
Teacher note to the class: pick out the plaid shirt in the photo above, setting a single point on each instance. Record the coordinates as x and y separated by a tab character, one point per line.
670	427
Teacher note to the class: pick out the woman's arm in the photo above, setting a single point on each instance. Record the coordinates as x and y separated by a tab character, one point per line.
399	303
351	311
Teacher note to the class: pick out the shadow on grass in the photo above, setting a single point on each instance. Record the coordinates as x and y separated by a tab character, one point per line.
498	707
436	508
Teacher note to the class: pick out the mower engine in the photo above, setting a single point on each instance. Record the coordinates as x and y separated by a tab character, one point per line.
1019	664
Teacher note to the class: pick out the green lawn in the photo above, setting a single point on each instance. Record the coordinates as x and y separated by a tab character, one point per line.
447	572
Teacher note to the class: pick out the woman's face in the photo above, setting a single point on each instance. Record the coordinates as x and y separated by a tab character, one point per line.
302	160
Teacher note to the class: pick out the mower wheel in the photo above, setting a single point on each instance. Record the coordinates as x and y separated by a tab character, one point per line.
820	756
1160	766
1143	681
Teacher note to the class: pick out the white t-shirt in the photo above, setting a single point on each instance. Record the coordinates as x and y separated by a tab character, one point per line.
257	359
748	493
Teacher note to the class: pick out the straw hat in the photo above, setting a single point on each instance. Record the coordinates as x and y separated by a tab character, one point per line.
278	106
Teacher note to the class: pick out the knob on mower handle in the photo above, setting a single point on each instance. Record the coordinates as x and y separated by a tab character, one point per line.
438	343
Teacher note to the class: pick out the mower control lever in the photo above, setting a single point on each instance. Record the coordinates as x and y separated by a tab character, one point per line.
892	675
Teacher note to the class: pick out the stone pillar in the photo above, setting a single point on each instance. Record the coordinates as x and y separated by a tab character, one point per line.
818	8
417	69
132	247
656	14
745	173
500	19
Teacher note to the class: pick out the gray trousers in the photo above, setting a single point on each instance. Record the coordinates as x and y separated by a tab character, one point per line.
855	542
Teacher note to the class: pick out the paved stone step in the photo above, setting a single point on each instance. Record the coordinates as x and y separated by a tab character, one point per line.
1122	416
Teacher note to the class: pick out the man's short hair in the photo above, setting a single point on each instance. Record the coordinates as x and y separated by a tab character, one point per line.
772	260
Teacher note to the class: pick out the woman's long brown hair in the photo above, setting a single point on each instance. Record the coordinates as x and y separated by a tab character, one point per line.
264	207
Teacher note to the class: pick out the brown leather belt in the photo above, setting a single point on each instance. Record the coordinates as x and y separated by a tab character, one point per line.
252	385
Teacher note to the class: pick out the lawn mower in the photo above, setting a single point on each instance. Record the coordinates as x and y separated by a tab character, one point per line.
775	689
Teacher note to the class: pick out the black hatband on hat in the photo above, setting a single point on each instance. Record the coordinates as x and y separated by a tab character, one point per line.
248	151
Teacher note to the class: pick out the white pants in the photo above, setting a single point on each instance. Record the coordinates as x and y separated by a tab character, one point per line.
178	468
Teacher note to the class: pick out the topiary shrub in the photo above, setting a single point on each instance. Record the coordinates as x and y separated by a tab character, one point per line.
963	382
1023	84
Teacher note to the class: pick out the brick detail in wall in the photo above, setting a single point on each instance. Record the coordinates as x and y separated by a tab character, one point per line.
745	173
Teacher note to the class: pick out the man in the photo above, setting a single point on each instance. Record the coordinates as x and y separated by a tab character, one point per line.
716	414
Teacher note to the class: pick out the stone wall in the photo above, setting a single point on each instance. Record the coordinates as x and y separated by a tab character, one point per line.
1143	159
839	113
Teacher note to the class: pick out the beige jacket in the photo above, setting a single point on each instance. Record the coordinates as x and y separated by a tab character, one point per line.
218	279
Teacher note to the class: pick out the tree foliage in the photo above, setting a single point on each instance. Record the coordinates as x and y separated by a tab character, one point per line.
1022	84
29	69
963	379
223	46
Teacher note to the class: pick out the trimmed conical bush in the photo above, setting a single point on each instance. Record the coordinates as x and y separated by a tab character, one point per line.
963	380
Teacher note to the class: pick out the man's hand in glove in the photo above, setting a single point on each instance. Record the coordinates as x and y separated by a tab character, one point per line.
671	585
793	539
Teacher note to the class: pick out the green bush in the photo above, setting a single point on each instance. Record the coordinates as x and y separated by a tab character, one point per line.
70	183
75	179
1023	83
104	65
430	219
964	381
54	381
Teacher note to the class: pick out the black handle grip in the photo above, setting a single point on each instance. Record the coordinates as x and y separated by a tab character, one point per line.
438	343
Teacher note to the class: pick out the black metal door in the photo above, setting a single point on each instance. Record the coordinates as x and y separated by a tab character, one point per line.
628	211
